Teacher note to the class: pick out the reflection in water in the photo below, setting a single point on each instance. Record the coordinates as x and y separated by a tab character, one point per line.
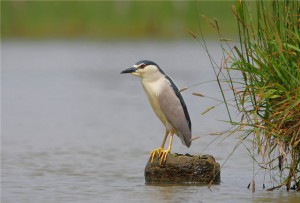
75	130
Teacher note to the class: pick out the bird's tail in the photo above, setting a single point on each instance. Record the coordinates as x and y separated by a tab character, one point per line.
185	138
189	142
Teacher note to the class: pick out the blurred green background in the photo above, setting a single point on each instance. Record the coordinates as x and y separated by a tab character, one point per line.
110	20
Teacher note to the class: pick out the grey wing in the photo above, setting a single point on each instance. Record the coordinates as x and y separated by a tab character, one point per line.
175	112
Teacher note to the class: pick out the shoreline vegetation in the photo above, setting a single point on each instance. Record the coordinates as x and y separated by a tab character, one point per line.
110	20
260	80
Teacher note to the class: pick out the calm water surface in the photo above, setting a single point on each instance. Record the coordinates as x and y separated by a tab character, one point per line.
75	130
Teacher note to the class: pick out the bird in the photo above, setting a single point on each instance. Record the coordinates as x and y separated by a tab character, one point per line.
167	103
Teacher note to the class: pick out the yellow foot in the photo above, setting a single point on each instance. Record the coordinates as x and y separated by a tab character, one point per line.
154	152
163	155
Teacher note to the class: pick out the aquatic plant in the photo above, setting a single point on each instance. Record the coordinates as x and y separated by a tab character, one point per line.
267	95
262	75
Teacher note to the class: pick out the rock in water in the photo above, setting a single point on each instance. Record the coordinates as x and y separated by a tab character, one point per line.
183	169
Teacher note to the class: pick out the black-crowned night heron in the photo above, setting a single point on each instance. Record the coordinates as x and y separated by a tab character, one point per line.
167	103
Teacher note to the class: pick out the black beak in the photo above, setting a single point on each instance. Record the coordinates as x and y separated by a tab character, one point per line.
129	70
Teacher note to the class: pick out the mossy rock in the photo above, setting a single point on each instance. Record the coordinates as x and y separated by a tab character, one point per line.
183	169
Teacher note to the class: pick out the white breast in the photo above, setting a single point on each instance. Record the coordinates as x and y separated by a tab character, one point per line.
152	90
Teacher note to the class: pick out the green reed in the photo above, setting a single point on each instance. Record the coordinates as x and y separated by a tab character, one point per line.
267	95
262	75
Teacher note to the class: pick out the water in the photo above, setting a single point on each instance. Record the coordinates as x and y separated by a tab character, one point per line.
75	130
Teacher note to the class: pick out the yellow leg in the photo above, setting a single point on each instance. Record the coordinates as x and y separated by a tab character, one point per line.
164	153
164	141
158	150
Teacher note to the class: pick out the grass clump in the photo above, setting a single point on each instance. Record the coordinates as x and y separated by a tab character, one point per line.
268	96
263	76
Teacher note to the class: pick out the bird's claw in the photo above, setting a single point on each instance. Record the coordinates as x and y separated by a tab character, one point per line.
162	155
154	152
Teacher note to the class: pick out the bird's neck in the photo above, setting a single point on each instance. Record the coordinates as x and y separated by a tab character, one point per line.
152	78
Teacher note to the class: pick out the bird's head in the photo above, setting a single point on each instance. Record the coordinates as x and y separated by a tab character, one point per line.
144	68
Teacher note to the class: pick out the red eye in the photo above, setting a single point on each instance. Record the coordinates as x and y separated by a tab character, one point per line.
142	65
